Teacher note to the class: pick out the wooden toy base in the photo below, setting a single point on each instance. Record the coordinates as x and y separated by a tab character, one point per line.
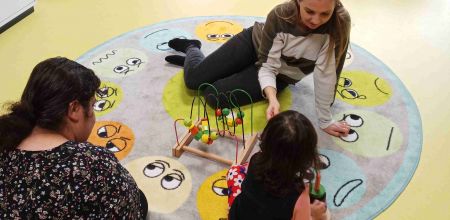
179	148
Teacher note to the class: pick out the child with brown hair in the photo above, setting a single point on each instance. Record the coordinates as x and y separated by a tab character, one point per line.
275	177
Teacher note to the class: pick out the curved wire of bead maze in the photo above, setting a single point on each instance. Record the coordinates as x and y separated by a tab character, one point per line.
209	134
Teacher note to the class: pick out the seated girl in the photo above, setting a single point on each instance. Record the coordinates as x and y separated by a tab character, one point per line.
275	177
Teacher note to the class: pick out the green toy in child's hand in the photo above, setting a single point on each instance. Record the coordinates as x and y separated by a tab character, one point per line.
317	191
319	195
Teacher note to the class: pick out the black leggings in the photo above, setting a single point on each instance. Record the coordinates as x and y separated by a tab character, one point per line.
231	66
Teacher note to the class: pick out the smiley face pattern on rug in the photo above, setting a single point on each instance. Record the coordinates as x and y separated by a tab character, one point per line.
115	136
211	195
108	97
140	98
165	182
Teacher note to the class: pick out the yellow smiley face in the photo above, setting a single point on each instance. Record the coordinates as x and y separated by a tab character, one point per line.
212	197
108	97
165	182
218	31
115	136
363	89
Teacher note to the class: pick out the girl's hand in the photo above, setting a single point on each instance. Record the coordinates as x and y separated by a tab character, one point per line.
338	129
272	109
318	210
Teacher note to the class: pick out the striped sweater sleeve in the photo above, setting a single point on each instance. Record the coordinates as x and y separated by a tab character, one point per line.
269	52
324	84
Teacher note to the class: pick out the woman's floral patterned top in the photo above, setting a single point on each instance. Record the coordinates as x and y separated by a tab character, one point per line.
71	181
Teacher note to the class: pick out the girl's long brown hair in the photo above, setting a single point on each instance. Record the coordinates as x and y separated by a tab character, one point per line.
338	27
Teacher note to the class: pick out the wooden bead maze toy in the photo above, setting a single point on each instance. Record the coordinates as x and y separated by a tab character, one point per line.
201	130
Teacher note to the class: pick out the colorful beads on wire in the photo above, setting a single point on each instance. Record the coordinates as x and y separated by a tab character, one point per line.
201	132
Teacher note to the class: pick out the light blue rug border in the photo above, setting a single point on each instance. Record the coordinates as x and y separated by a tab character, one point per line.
413	151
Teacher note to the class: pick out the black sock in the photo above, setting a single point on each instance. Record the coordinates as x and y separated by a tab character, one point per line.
181	45
175	59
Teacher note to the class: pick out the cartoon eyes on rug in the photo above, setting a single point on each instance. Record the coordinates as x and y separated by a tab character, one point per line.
351	94
106	92
218	31
324	162
118	62
153	169
214	37
346	92
124	69
102	105
107	131
134	61
353	120
370	135
219	190
344	82
108	97
165	182
169	181
114	136
212	196
351	137
117	144
362	88
121	69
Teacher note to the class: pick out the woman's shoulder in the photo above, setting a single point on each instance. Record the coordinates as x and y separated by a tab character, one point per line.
89	151
85	147
98	160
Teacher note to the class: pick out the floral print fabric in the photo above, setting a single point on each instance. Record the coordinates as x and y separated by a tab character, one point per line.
71	181
235	176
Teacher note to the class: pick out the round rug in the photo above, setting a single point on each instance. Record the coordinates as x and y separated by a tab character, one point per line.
365	171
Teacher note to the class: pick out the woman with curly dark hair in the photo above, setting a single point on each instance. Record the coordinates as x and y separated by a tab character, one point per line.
47	169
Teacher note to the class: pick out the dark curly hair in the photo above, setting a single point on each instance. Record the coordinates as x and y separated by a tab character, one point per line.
288	149
52	85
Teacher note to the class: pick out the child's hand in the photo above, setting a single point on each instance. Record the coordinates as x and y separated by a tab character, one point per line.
338	129
318	210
